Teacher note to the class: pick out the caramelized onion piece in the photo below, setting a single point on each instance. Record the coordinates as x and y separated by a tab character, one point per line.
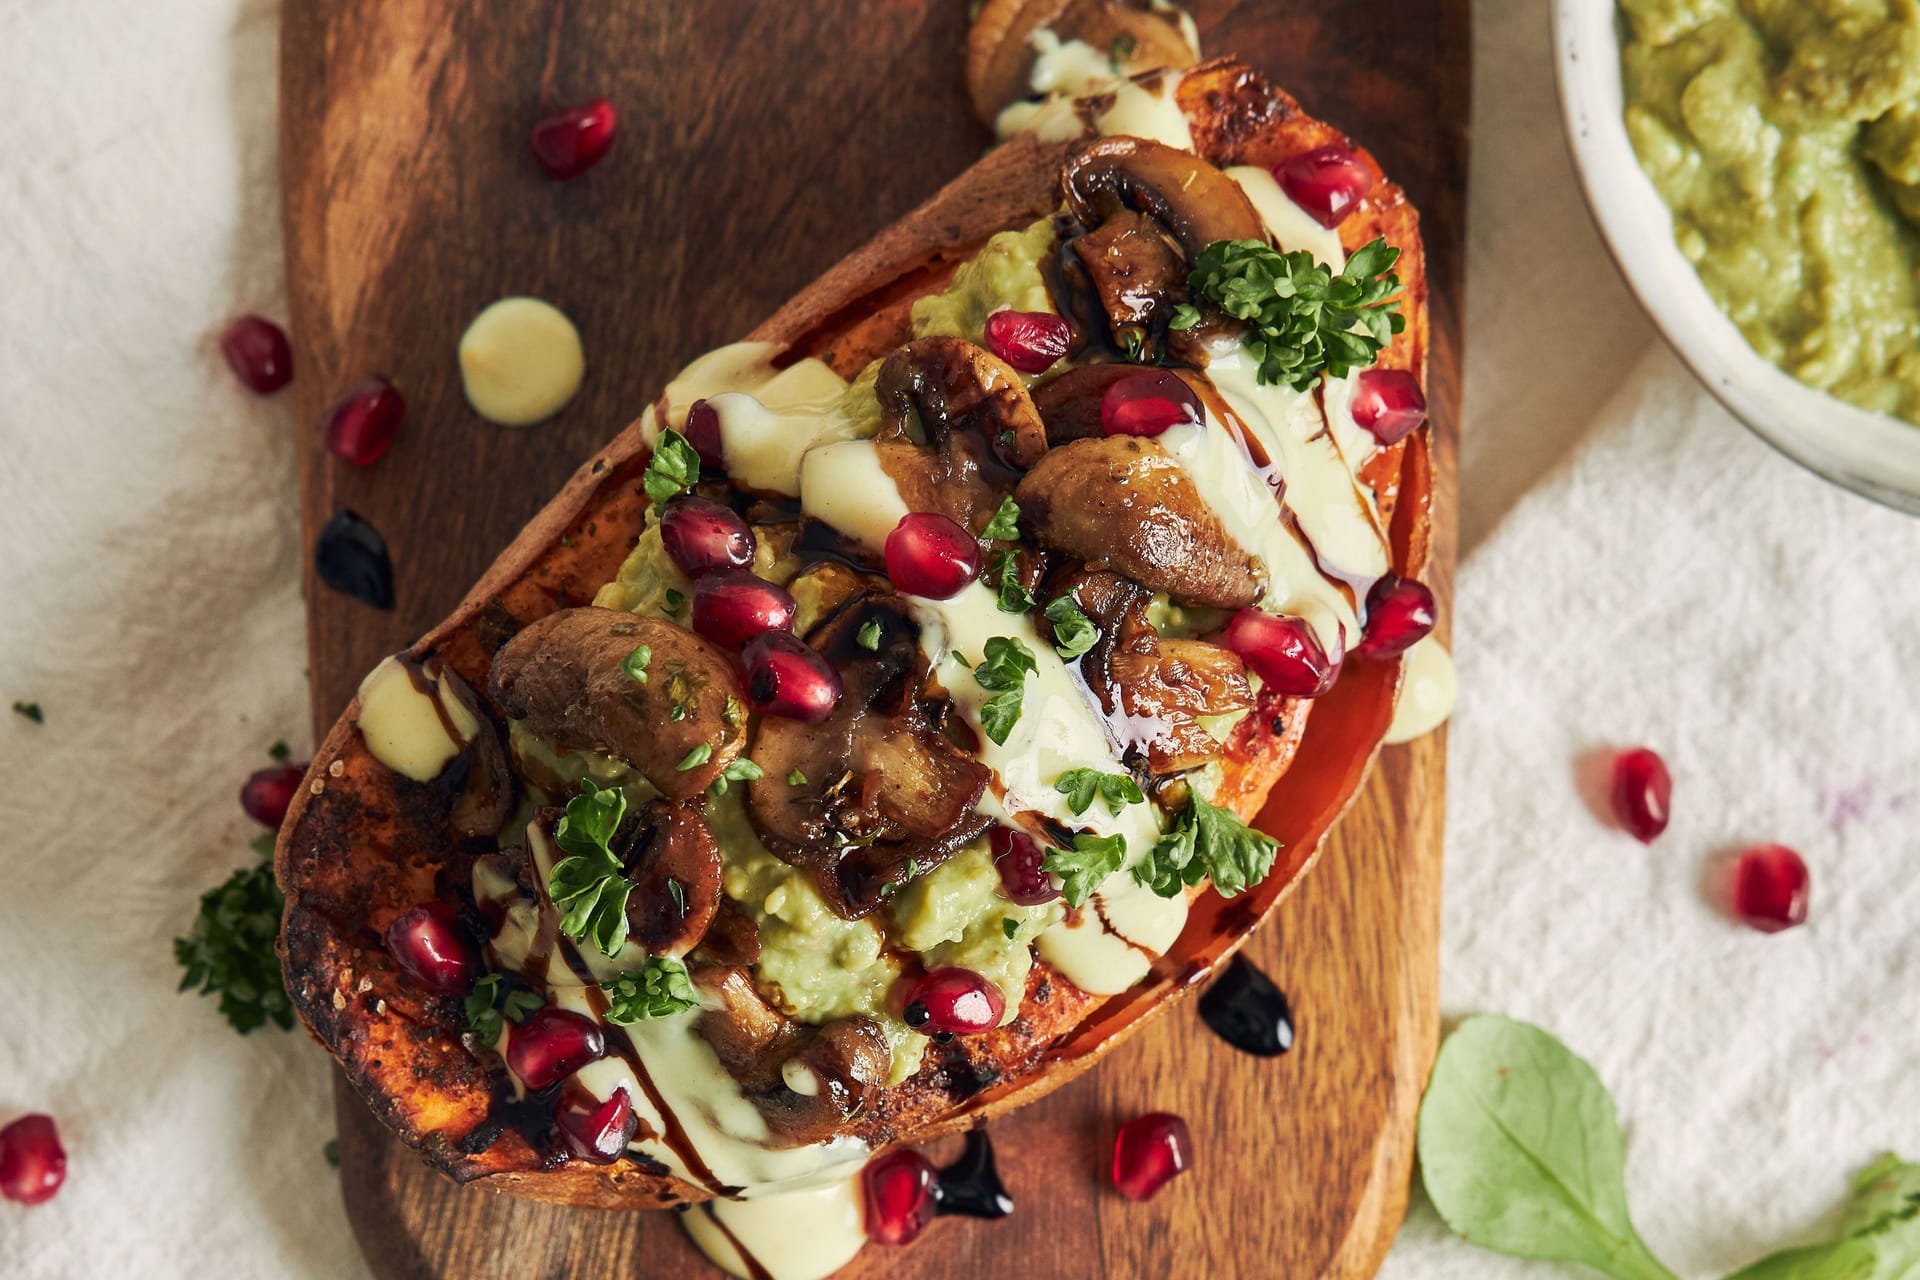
678	847
1000	51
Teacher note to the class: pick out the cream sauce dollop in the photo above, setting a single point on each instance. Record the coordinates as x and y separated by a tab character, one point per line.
411	720
520	362
1428	687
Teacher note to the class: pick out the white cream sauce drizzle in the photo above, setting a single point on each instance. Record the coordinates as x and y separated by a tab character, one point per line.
1065	71
520	361
1293	228
1428	686
768	416
796	1235
407	728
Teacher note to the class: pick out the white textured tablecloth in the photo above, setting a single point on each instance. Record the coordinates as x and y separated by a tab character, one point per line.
1637	569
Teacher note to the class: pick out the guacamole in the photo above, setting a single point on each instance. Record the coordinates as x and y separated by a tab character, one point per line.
1785	137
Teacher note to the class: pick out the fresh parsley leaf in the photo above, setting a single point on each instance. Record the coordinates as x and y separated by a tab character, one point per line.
673	470
740	769
280	750
868	637
1003	575
796	779
1120	50
1879	1234
678	894
1080	786
1003	672
1082	868
1073	631
1208	842
31	711
697	755
331	1153
485	1006
1521	1153
591	886
1301	318
675	602
1005	525
1009	926
230	950
658	989
636	662
1185	316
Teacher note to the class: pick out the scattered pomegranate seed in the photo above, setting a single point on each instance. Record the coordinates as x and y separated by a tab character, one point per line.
702	430
1030	341
1149	1152
900	1194
1770	885
430	943
267	792
360	428
257	351
1400	612
930	555
1017	856
731	607
33	1164
593	1130
1283	653
569	144
953	1001
552	1045
1389	404
701	535
1641	791
1147	404
1327	182
785	677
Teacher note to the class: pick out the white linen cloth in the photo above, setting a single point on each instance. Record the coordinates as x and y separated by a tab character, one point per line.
1637	569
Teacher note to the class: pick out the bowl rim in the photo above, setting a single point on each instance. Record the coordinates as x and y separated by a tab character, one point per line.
1840	442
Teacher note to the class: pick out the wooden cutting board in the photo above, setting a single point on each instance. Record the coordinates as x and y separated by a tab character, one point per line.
759	143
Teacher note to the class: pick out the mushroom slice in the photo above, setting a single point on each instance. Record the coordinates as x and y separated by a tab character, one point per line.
951	387
565	676
1123	502
876	786
1000	51
676	878
808	1082
1070	403
1195	202
1139	277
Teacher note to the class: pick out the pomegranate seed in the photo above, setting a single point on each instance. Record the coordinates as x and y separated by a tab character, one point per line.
1770	884
1389	404
1030	341
1641	789
954	1001
1147	404
267	792
901	1196
1283	653
701	536
33	1164
593	1130
431	944
361	426
569	144
1400	612
552	1045
1327	182
257	351
1149	1152
1017	856
787	678
731	607
930	555
702	430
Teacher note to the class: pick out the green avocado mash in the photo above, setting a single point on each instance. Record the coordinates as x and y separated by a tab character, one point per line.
1005	273
1785	137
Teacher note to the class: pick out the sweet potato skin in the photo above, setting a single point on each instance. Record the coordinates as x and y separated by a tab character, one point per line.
360	844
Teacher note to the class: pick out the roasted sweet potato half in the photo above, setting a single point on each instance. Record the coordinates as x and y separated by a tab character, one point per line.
364	844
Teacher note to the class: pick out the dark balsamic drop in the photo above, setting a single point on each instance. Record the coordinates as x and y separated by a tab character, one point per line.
971	1185
351	557
1246	1010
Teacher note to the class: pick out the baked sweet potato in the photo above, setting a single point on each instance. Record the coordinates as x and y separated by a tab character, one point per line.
363	844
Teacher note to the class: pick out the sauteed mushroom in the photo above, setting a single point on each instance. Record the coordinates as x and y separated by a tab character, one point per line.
1195	202
1122	502
975	417
1000	50
676	878
1070	403
1137	274
564	676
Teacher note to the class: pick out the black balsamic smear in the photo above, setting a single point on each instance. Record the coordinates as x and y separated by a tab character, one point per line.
351	557
1246	1010
971	1185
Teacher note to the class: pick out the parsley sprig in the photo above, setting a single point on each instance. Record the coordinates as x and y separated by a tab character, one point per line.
1003	672
673	470
1301	318
1080	786
1082	868
1073	631
230	950
489	1009
1005	525
591	887
739	769
658	989
1208	842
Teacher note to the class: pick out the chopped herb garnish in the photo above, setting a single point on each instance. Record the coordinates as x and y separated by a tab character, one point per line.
1003	672
868	637
636	663
1082	868
678	895
659	989
1009	926
31	710
1208	842
591	886
1301	318
737	770
1121	49
796	779
280	750
1133	345
486	1007
697	756
1080	786
1003	575
1005	525
230	951
677	712
1073	631
673	470
1185	316
674	603
331	1153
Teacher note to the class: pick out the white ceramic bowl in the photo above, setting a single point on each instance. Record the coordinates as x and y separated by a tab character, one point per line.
1867	452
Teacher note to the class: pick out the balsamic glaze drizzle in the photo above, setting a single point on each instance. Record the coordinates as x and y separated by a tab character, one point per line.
1246	1010
971	1185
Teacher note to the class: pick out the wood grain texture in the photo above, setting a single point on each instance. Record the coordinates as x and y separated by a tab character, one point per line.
759	144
